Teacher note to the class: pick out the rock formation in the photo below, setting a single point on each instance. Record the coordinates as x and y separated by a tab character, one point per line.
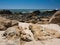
55	18
6	23
13	32
12	36
29	34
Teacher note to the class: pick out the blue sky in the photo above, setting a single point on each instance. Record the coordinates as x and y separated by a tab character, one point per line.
29	4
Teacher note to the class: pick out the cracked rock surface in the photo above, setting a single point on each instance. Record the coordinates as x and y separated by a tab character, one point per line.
31	34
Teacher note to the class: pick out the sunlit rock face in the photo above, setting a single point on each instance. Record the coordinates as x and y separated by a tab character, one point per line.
12	36
40	32
45	31
26	33
55	27
30	34
24	26
36	30
52	29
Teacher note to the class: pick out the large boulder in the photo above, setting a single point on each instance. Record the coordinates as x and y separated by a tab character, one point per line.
12	36
52	30
36	30
43	32
26	33
55	27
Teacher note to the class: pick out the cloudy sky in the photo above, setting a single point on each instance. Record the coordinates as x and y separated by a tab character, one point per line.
29	4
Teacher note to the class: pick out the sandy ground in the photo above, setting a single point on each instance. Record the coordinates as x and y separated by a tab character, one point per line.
46	42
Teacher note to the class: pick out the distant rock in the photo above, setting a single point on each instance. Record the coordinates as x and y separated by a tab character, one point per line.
5	12
48	13
37	12
55	18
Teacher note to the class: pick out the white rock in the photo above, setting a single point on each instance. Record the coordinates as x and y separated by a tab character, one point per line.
12	40
25	29
25	26
29	34
52	26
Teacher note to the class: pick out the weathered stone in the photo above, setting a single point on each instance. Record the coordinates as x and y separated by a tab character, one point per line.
2	28
37	31
14	22
12	36
26	33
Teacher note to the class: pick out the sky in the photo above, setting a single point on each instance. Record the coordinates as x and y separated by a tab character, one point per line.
29	4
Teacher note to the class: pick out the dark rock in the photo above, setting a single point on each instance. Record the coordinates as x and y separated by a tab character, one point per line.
5	12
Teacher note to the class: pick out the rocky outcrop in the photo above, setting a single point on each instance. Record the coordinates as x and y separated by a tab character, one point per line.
48	13
12	36
26	33
13	32
5	12
29	34
42	32
55	18
6	23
